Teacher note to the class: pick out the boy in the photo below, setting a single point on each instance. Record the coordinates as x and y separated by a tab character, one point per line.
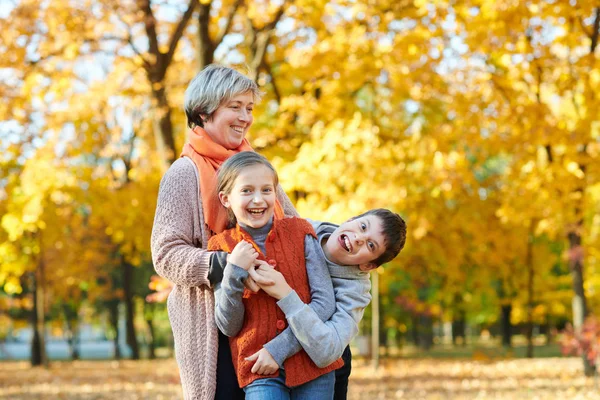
351	250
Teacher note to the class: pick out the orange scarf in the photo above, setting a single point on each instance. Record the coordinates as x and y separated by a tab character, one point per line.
208	157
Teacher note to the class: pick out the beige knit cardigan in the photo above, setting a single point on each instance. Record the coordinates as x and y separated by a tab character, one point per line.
179	240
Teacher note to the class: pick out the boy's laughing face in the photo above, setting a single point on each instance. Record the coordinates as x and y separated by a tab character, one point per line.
356	242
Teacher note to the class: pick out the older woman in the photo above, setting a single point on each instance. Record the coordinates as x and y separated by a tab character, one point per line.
218	104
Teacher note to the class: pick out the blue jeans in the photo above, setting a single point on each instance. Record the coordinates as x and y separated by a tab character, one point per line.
320	388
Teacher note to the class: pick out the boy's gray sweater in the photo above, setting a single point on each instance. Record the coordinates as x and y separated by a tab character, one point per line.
324	342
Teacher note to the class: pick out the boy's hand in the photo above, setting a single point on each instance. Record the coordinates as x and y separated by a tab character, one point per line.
243	255
265	364
280	288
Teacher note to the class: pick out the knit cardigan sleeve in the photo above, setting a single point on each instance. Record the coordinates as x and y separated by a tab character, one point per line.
284	200
177	251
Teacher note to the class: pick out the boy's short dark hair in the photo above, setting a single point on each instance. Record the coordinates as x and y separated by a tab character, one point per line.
394	231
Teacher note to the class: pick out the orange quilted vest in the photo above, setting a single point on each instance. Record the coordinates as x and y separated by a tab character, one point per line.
263	320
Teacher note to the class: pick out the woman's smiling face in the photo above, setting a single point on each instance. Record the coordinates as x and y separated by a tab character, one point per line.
231	121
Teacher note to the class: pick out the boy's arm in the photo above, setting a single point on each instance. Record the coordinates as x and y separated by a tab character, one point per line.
229	308
324	342
322	302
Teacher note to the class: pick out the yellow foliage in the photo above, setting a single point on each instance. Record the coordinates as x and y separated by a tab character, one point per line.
467	118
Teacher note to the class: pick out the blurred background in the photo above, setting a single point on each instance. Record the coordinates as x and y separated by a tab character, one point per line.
476	120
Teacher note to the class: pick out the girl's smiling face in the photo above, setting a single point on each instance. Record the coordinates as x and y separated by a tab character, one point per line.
252	197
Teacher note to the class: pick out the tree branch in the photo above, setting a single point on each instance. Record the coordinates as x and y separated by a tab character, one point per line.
276	92
185	18
228	22
595	32
129	41
261	39
150	26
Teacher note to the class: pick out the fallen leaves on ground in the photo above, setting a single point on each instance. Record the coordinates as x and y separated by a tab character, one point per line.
547	378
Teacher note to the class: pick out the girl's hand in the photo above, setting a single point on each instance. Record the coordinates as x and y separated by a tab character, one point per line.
250	284
280	288
265	363
243	255
259	280
254	282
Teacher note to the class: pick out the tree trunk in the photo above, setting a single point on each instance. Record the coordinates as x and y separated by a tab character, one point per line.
156	67
206	48
163	127
415	330
38	344
425	332
113	307
71	312
459	321
72	339
530	278
375	319
506	325
149	314
580	310
458	330
129	309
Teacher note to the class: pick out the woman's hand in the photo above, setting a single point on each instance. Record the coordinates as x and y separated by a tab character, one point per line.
265	363
243	255
280	287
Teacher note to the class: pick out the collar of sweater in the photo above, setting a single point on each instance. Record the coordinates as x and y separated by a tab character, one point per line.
259	235
262	231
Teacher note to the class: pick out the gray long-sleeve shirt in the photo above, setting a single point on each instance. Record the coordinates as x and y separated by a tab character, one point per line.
229	308
325	342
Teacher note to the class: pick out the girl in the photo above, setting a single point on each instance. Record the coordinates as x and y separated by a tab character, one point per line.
247	185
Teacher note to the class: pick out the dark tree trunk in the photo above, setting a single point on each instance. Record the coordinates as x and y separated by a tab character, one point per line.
458	330
156	67
163	127
113	307
506	325
149	314
71	312
73	339
415	329
425	332
129	309
530	279
206	47
38	344
580	310
459	320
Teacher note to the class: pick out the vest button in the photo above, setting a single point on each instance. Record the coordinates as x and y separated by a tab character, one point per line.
280	324
272	263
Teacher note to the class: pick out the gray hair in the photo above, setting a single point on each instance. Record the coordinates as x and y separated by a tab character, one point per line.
213	86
